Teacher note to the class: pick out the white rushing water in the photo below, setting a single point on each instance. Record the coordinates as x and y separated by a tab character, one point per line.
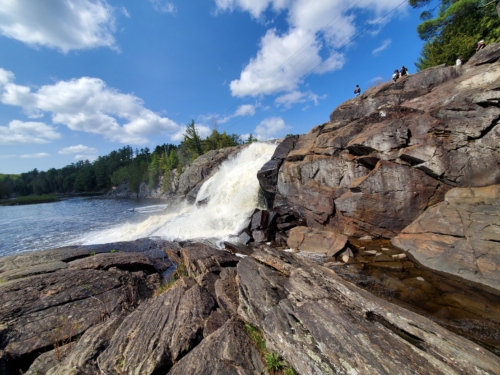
232	192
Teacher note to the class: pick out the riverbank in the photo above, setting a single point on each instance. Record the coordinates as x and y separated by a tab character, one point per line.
30	199
102	308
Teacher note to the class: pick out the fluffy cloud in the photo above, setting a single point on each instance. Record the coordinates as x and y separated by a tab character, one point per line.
163	6
64	24
34	156
384	45
77	149
315	28
19	132
271	128
88	105
241	111
293	97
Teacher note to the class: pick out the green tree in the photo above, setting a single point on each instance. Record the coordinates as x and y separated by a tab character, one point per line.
455	29
251	139
192	141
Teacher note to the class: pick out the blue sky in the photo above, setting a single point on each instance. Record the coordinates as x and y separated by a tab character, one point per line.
80	78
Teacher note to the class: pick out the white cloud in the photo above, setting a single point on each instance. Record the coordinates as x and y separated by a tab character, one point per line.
315	29
163	6
293	97
125	12
270	128
88	105
241	111
19	132
35	156
384	45
63	25
8	156
77	149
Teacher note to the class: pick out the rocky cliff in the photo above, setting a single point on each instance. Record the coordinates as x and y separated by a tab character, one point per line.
392	154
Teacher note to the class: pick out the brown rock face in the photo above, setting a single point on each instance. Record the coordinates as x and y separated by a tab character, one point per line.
387	155
460	236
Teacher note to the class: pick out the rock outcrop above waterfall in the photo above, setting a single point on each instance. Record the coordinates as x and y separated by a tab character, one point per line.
311	318
387	156
183	185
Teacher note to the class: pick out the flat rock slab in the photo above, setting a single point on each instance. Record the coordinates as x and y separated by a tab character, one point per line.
460	236
322	324
316	241
123	261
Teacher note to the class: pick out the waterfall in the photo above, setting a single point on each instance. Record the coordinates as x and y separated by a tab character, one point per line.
232	194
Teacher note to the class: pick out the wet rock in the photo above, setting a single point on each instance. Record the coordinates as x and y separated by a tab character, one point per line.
459	236
244	238
226	351
268	174
260	220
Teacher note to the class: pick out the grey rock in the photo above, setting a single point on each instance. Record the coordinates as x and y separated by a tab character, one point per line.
227	351
156	335
226	291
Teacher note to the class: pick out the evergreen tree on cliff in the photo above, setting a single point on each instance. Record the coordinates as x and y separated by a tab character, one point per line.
455	29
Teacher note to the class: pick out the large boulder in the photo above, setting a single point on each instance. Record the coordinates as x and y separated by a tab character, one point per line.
460	236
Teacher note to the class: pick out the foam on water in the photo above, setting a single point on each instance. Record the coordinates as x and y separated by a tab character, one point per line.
233	194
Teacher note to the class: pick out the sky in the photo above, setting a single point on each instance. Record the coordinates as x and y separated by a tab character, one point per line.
81	78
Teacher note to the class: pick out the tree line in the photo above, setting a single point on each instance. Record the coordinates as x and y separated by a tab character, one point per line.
453	28
125	164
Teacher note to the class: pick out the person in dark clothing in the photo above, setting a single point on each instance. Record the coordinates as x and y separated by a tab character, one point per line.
404	71
357	91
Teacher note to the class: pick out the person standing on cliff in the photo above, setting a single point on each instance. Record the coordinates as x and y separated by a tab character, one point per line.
404	71
395	76
459	60
480	45
357	91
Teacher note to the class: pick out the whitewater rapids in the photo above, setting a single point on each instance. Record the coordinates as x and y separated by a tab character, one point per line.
232	192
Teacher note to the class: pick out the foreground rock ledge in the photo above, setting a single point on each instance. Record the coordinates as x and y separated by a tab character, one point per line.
317	322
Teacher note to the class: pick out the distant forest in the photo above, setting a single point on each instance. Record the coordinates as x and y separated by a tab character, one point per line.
124	164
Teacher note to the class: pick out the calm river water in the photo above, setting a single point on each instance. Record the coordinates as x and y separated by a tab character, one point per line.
70	221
